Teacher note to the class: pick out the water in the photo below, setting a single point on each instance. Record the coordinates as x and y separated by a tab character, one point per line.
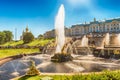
84	41
59	29
15	67
119	39
80	63
107	39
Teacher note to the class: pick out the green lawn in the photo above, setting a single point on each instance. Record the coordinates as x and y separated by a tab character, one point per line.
36	42
30	78
39	42
106	75
13	43
11	52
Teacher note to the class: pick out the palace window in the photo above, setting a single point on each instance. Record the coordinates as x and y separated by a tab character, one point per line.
114	28
117	27
111	28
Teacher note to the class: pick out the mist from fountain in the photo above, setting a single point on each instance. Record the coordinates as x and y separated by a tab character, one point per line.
107	39
15	67
84	42
59	29
119	39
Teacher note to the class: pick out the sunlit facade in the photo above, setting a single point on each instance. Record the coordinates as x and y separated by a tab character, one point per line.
110	25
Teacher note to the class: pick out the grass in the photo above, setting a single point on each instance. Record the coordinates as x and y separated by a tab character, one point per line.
36	42
11	52
106	75
13	43
30	78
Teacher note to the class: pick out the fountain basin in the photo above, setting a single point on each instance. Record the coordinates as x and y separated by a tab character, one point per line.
80	63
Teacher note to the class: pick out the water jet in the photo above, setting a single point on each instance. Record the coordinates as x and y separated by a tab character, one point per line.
60	55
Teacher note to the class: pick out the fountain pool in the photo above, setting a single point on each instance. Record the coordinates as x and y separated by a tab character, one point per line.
80	63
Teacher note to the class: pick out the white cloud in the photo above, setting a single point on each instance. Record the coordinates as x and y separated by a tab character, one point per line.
90	6
79	2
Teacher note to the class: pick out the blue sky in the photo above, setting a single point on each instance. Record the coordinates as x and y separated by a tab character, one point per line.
39	15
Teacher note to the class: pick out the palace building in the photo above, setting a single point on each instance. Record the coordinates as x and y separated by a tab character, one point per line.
105	26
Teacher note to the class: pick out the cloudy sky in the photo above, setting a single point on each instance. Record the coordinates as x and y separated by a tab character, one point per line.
39	15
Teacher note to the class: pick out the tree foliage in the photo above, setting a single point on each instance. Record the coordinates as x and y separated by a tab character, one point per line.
40	36
5	36
8	36
2	37
28	37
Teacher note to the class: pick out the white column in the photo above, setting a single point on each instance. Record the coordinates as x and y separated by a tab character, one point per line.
110	28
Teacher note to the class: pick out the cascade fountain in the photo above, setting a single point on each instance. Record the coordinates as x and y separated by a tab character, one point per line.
59	29
60	55
83	48
79	63
107	39
115	40
84	42
112	41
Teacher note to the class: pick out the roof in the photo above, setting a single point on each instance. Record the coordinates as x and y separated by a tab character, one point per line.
95	22
110	20
80	25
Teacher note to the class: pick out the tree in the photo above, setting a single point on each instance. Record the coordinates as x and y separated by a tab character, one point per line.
28	37
40	36
8	36
2	37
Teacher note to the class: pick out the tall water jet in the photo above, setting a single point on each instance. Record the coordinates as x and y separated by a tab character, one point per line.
59	29
115	40
59	55
119	39
107	39
84	41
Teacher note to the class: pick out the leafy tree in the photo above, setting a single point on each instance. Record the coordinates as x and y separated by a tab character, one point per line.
28	37
40	36
8	36
2	37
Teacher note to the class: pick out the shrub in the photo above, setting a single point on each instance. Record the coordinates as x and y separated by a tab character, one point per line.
28	37
32	71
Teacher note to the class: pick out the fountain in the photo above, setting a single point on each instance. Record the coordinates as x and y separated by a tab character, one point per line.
84	42
60	55
110	47
59	29
115	40
81	46
107	39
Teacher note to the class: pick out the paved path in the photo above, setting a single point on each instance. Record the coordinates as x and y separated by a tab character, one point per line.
2	61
